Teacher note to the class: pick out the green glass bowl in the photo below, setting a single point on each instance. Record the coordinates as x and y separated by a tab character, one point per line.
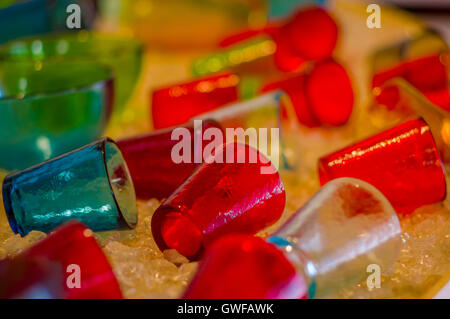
122	55
47	109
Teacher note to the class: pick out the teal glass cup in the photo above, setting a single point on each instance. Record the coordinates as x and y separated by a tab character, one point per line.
122	55
48	109
91	184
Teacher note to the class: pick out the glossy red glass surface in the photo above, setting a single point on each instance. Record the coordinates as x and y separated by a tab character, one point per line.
177	104
149	159
321	96
74	244
310	35
427	74
243	266
402	162
220	198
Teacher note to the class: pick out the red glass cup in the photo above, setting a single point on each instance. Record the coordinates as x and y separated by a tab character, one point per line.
322	95
259	123
310	35
177	104
269	29
30	278
154	172
411	102
74	248
402	162
237	190
423	61
347	225
246	267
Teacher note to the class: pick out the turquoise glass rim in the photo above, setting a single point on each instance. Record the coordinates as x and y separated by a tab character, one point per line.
127	216
122	55
45	111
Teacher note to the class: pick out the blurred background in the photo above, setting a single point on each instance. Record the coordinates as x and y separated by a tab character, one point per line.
152	44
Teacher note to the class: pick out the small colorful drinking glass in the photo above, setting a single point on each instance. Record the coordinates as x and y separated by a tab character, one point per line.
259	122
25	18
345	227
411	102
47	109
423	61
122	55
310	35
237	190
154	171
280	8
31	278
402	162
91	184
177	104
75	251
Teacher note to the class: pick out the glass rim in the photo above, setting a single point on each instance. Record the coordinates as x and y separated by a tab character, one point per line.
7	203
104	141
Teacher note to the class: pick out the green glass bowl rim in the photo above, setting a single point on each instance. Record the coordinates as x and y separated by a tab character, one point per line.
65	92
123	222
